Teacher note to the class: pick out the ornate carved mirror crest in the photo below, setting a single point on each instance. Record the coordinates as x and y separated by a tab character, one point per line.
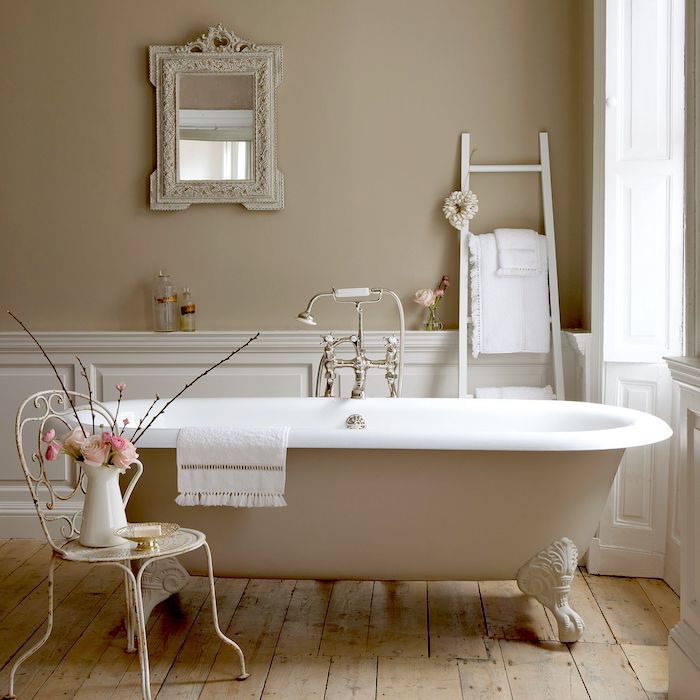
216	122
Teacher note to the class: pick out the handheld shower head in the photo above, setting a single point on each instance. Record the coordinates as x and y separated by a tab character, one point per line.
307	318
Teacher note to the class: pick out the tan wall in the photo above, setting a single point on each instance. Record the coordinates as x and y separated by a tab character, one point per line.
586	73
374	98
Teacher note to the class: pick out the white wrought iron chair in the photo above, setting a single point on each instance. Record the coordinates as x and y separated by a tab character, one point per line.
52	498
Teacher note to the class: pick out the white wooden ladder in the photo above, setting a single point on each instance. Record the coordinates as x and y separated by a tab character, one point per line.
555	323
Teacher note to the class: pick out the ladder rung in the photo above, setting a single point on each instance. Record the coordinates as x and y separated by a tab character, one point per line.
537	168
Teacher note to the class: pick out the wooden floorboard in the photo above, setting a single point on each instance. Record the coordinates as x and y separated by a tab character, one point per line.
256	626
342	640
15	553
352	678
405	678
165	640
650	664
485	679
347	623
510	614
188	673
628	610
456	620
24	579
664	600
71	618
297	678
606	672
542	670
306	616
398	623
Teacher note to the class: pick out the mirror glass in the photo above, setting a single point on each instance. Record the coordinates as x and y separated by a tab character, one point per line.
215	127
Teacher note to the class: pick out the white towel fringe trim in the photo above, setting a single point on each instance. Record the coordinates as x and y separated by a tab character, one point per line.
236	500
475	292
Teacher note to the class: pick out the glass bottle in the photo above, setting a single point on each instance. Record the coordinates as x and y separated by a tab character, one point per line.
187	311
165	317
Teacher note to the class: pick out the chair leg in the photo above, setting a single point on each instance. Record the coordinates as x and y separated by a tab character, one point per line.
42	641
130	613
141	635
243	674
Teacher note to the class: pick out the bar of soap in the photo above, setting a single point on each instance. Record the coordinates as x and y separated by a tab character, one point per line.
146	531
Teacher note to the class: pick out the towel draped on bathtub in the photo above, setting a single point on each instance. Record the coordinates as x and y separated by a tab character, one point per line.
240	467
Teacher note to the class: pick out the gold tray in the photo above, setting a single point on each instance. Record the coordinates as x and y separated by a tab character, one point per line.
149	542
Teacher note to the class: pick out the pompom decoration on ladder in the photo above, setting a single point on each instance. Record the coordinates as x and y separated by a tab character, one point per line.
460	207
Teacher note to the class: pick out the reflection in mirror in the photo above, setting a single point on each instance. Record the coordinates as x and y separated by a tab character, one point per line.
215	126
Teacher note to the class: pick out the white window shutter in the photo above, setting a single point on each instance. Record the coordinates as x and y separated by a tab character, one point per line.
643	270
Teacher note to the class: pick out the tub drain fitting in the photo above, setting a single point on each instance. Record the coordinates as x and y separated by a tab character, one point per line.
355	422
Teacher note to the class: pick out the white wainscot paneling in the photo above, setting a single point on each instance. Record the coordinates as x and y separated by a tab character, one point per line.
632	535
686	395
684	528
276	364
166	379
21	376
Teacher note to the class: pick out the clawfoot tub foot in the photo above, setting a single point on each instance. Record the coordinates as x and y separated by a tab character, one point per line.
547	577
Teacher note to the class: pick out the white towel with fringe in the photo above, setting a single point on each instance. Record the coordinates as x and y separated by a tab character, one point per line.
510	313
518	251
239	467
514	392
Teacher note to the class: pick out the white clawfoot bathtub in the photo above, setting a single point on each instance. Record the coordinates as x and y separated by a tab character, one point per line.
432	489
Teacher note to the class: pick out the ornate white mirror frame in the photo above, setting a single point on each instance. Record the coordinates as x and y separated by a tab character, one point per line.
217	52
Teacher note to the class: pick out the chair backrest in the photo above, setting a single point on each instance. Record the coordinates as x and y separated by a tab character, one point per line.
57	487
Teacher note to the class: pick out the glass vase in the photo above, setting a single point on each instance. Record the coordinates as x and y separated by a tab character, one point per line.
432	324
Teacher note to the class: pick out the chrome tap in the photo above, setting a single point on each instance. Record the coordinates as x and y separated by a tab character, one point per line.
392	362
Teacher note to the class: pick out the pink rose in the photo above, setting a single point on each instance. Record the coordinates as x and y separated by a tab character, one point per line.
118	443
424	297
48	436
72	441
52	451
125	456
94	450
107	438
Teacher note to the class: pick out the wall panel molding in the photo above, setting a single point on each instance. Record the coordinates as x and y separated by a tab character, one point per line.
279	363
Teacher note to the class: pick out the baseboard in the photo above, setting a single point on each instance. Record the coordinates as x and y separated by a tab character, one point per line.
672	570
20	525
683	662
609	560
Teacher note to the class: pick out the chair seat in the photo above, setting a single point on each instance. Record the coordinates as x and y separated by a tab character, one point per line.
184	540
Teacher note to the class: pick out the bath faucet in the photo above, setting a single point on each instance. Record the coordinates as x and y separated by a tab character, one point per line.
391	363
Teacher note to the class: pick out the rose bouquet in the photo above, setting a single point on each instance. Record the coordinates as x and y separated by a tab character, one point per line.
110	448
430	299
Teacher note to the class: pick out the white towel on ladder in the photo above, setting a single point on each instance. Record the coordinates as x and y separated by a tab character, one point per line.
240	467
510	313
518	252
515	392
